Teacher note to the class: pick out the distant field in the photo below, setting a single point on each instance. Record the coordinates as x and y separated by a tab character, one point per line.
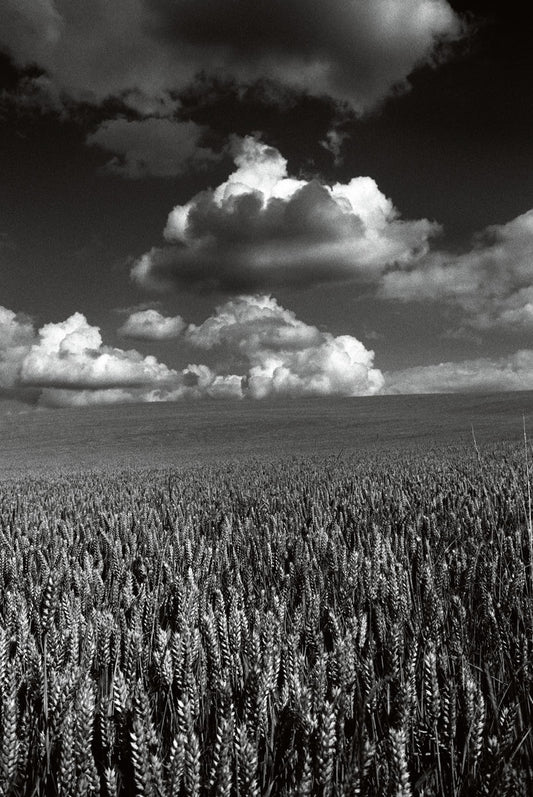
152	435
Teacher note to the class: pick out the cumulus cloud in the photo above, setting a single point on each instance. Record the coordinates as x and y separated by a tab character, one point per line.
143	50
70	354
257	349
270	351
479	375
66	364
151	147
263	229
151	325
492	282
273	352
71	366
285	356
16	336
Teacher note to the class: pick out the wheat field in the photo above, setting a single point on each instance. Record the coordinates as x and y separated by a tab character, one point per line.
329	626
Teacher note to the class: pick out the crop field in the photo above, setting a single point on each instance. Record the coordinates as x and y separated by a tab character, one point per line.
352	623
167	435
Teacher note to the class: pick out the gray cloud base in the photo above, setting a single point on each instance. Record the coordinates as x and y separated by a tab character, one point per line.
143	50
262	230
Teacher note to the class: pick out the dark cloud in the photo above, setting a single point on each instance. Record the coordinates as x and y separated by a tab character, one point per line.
90	51
353	52
261	229
30	28
152	147
145	50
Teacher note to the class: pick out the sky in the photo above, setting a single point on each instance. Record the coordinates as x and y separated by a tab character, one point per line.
247	199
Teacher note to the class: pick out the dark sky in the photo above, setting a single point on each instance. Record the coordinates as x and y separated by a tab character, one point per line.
110	117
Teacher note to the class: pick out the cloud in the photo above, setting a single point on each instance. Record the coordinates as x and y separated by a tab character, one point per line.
144	50
70	354
478	375
16	336
513	312
151	325
66	364
91	51
151	147
30	28
353	52
285	356
258	349
333	143
261	349
492	282
262	229
72	367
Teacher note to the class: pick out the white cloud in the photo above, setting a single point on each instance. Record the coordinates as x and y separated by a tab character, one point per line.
479	375
16	336
513	312
144	50
71	366
492	282
151	325
151	147
285	356
70	354
262	229
261	348
273	352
